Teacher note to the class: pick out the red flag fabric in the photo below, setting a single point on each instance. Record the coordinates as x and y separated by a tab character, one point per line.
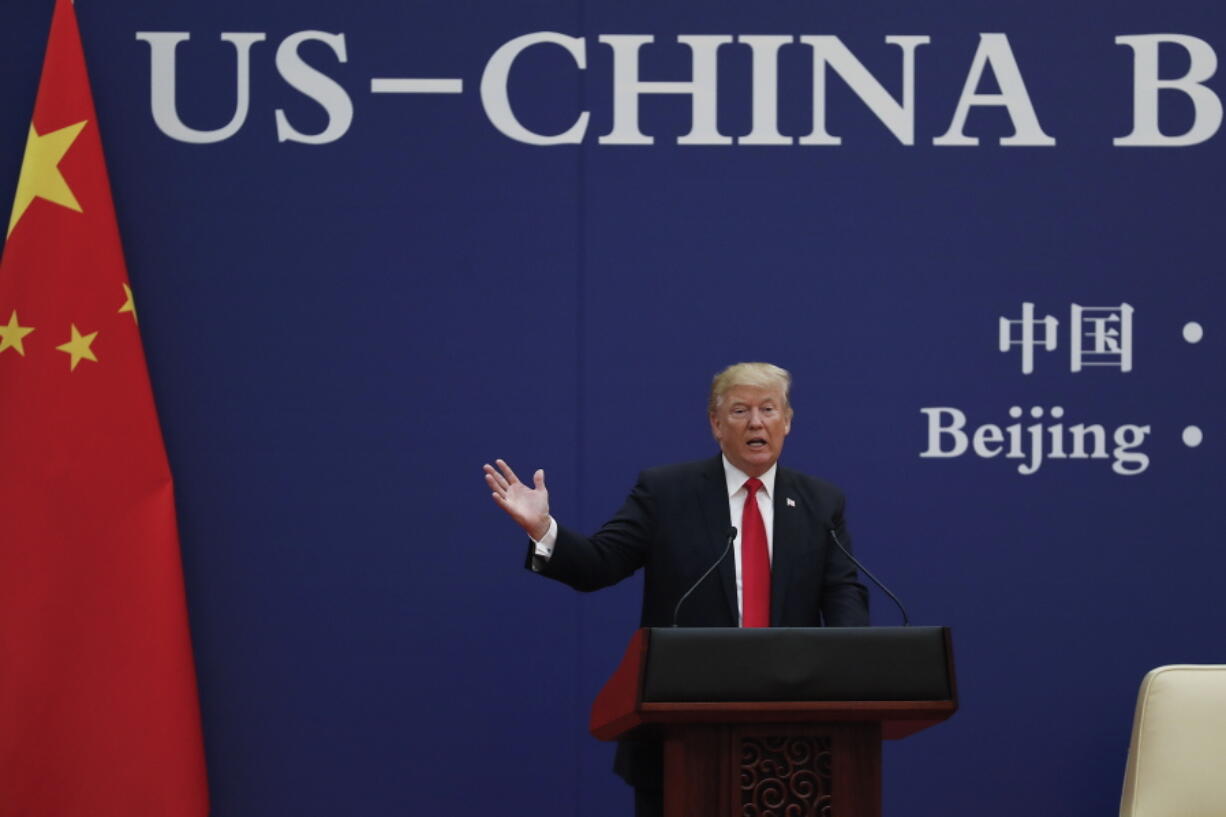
98	708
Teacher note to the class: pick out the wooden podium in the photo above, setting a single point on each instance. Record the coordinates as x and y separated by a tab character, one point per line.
777	721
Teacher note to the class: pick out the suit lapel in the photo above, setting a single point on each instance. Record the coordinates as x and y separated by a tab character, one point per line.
787	538
714	501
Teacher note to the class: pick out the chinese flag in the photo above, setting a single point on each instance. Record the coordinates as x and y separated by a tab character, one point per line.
98	709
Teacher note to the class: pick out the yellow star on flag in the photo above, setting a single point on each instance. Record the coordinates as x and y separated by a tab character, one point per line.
40	172
78	347
129	305
11	335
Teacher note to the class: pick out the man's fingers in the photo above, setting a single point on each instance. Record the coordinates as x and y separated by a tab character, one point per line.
496	484
506	471
494	479
521	502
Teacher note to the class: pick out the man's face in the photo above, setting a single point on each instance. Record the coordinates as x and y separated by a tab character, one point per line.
750	423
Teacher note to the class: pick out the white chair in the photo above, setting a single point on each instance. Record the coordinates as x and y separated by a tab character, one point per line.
1177	757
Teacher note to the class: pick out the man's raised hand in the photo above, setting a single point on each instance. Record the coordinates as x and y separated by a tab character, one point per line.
528	506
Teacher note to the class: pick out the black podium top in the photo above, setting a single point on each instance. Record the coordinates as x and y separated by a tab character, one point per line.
899	677
798	664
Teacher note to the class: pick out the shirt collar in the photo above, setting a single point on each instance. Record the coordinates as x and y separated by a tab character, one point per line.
735	478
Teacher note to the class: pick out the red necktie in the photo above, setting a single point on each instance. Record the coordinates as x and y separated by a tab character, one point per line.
755	563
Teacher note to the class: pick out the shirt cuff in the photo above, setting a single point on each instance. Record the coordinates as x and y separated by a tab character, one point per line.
544	546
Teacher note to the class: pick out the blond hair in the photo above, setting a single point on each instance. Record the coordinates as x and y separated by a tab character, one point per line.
761	375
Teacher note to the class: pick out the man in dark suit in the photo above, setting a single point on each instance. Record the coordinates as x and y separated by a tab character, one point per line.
785	570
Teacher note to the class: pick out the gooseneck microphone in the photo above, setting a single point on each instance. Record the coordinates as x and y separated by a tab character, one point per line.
906	622
722	556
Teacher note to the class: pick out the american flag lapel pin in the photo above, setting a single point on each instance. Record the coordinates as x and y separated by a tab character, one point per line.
791	502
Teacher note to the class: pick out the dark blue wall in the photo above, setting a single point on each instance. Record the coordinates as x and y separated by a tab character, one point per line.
339	336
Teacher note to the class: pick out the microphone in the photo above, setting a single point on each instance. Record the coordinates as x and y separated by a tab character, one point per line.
722	556
906	622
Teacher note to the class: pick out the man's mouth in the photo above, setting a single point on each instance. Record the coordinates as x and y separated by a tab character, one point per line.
757	443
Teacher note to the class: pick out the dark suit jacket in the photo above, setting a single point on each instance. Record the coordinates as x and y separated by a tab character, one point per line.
675	523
